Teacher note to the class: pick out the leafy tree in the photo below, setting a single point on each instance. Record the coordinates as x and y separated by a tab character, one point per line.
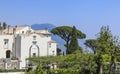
92	43
114	52
107	45
65	33
104	39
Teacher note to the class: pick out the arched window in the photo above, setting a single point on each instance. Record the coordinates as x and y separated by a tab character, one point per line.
34	37
8	53
34	50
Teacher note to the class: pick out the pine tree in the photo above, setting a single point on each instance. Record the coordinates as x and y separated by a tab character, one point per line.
64	32
73	46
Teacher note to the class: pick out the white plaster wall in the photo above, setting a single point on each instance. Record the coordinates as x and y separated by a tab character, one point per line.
27	41
24	50
52	47
23	44
2	49
18	46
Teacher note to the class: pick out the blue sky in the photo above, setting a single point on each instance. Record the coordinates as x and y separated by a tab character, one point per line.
86	15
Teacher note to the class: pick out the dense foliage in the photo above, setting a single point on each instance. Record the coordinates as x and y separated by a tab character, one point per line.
106	49
82	63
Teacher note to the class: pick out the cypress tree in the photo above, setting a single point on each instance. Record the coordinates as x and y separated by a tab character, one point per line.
73	46
4	25
0	26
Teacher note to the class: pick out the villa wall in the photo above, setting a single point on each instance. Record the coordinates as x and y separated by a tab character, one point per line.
23	45
3	47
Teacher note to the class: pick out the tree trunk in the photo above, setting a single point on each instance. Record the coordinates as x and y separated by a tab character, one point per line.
67	47
114	66
112	63
100	65
100	69
94	52
110	71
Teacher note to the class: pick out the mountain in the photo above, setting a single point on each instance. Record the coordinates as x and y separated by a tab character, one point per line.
60	41
43	26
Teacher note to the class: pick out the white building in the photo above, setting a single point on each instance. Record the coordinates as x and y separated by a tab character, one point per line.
23	42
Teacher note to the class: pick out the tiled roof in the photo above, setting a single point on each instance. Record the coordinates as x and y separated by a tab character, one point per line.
22	27
51	41
11	29
38	31
42	32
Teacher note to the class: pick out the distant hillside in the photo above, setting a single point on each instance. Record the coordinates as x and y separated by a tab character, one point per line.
54	37
42	26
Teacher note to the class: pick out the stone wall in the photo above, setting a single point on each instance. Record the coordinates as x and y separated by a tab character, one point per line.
9	64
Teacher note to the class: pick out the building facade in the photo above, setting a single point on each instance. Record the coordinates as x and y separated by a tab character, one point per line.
20	43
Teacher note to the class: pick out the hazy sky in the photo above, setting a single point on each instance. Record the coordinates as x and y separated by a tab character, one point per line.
86	15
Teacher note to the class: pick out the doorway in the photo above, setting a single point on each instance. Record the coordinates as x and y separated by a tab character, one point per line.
8	52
